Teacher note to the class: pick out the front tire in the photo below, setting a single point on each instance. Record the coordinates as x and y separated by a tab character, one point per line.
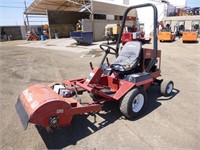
133	103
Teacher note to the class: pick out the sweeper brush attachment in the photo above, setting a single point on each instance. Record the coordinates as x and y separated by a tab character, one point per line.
42	106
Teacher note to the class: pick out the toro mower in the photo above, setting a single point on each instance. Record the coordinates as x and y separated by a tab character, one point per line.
125	80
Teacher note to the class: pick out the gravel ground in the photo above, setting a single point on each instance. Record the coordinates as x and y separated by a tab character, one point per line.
168	123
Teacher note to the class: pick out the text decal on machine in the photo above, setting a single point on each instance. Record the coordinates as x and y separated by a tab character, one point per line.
90	76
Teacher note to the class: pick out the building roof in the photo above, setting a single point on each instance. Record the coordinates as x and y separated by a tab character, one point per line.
40	7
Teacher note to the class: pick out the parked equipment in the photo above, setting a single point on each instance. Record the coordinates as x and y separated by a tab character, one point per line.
126	80
82	37
191	35
133	33
32	36
135	36
35	33
166	34
111	32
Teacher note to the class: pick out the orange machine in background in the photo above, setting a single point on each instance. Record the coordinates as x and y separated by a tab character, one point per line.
165	34
191	35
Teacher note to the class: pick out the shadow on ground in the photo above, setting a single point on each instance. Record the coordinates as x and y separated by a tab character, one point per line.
82	127
81	44
190	42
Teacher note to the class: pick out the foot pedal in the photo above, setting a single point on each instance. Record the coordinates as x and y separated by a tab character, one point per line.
107	91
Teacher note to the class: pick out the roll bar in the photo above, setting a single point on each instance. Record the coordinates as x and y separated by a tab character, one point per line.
155	30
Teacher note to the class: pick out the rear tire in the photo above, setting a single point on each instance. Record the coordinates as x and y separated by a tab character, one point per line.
166	87
133	103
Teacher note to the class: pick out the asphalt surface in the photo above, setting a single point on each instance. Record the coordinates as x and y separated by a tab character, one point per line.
167	123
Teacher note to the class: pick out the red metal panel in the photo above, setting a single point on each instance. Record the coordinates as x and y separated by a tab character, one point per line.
85	86
41	102
94	77
71	82
104	80
156	74
148	53
124	88
146	86
37	95
83	109
102	94
127	36
52	109
113	83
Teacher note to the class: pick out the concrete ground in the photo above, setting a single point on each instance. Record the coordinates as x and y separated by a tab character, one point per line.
168	123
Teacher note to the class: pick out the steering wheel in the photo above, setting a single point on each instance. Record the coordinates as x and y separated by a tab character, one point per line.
107	48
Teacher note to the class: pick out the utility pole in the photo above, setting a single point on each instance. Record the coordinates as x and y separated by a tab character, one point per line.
26	20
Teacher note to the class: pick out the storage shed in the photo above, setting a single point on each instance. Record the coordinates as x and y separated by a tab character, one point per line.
64	14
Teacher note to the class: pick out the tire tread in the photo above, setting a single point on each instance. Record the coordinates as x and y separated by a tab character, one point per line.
125	103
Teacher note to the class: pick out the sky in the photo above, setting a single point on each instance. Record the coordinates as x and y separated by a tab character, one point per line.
11	11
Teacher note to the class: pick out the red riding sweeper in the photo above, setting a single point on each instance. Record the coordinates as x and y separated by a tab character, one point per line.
126	81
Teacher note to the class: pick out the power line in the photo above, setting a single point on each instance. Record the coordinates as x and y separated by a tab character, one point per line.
13	2
17	3
11	6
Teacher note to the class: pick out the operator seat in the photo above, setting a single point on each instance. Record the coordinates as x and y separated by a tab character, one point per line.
128	58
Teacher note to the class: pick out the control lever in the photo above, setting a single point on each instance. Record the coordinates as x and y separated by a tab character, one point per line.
91	66
108	63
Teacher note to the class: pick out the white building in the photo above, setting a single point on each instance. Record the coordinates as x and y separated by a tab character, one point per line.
145	15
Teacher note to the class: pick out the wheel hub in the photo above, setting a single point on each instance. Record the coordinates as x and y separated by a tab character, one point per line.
169	88
138	103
